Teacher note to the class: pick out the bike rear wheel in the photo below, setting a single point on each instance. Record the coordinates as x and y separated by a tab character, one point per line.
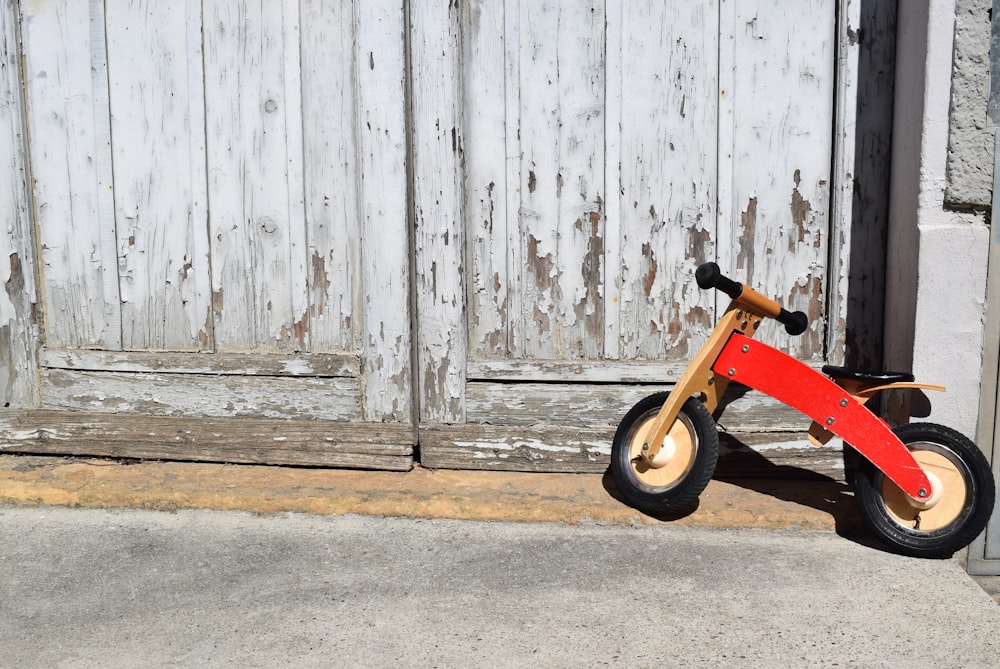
673	487
966	498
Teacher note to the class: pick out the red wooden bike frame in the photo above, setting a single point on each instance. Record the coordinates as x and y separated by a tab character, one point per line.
730	354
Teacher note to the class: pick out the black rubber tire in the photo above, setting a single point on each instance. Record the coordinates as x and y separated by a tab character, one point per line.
967	514
677	494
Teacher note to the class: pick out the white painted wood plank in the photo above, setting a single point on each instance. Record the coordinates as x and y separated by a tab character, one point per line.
486	146
385	252
231	364
294	183
580	181
562	178
158	125
68	119
331	173
668	176
196	395
842	193
580	371
576	371
540	181
726	206
254	176
439	239
613	110
18	318
517	320
104	163
606	404
783	97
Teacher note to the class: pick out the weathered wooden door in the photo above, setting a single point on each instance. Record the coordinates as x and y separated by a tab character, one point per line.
604	149
220	208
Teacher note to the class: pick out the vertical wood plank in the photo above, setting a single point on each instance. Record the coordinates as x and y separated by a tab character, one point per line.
486	147
254	175
439	238
330	173
842	203
18	297
158	126
517	321
613	110
580	180
725	252
539	180
562	177
68	117
668	176
783	95
385	252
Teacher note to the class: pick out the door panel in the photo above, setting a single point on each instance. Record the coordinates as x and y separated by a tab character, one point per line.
584	232
608	149
223	179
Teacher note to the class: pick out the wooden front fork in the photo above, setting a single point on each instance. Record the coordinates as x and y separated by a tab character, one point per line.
699	379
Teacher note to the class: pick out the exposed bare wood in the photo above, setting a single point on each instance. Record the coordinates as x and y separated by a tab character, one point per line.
552	448
238	440
18	297
248	364
515	449
198	395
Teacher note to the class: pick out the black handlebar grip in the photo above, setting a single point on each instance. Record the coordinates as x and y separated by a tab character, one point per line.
708	275
795	322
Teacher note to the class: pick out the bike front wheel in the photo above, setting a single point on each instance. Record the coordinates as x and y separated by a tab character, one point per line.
673	487
965	504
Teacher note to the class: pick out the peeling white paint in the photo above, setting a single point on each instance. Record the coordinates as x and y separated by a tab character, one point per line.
596	447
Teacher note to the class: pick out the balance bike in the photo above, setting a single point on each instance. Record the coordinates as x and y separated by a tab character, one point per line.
923	489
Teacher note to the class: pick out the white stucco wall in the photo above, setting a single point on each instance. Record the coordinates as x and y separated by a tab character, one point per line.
937	258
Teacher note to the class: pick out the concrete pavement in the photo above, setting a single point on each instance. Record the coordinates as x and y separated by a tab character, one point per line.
128	588
277	566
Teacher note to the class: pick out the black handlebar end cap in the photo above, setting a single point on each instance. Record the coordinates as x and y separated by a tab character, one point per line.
707	275
795	322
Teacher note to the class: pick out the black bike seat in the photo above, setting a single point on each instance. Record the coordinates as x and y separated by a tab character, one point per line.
869	377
